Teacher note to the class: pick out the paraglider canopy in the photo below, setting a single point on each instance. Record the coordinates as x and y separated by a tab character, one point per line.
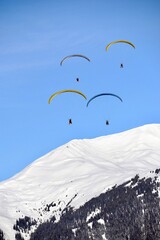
120	41
64	91
74	55
104	94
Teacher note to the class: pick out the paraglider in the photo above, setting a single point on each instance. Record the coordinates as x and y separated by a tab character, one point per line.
74	55
119	41
121	66
104	94
64	91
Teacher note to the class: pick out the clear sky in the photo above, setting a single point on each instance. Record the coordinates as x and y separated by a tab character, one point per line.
36	35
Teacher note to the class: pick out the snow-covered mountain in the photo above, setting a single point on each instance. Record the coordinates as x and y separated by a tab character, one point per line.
73	174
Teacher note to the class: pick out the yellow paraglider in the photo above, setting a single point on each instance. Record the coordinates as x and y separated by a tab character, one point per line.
119	41
63	91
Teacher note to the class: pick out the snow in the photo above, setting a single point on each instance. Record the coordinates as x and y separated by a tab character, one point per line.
90	224
76	172
104	237
93	214
101	221
74	231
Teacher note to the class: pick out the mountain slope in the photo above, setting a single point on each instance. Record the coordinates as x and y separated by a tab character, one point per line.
130	211
76	172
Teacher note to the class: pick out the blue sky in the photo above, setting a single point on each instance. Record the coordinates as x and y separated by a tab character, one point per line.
36	35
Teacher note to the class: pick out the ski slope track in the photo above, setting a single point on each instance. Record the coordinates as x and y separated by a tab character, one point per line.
76	172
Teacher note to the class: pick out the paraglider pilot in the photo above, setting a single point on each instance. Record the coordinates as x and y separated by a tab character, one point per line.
70	121
121	66
107	122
